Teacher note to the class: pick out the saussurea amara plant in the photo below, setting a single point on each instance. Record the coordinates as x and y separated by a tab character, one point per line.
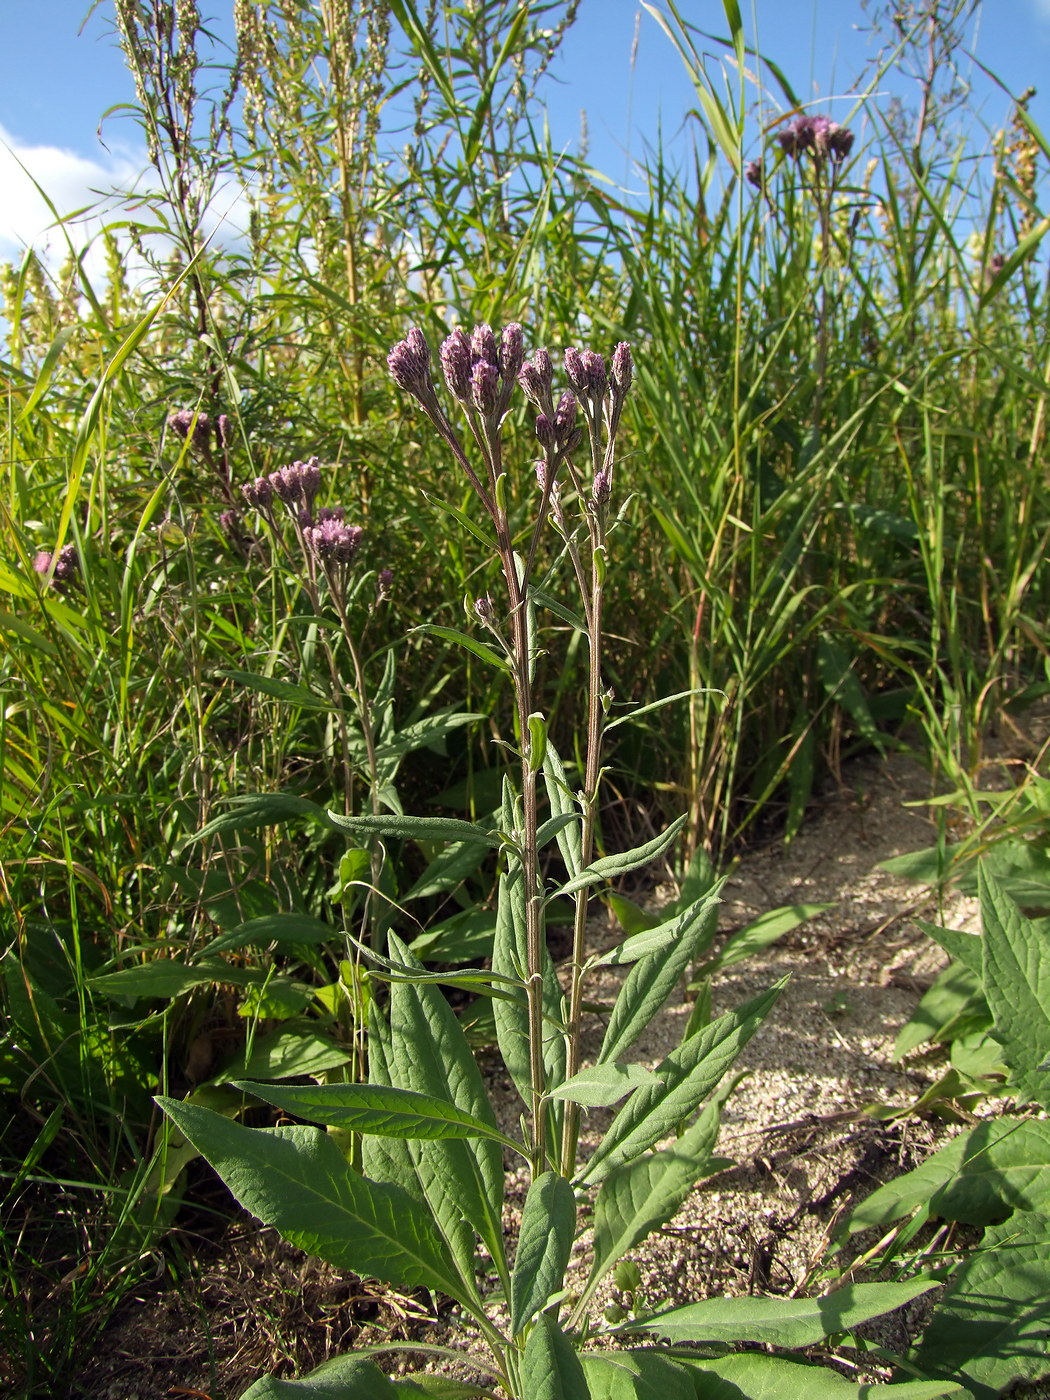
431	1183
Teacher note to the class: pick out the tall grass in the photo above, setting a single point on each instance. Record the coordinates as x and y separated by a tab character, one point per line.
837	534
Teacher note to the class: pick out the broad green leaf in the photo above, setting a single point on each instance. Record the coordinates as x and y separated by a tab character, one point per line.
285	1054
548	1225
991	1326
608	867
551	1367
1017	986
263	809
636	1375
429	1053
651	981
600	1086
297	1181
783	1322
766	929
644	1194
164	978
754	1376
345	1378
998	1166
274	928
954	991
967	948
631	917
375	1108
300	695
687	1075
417	828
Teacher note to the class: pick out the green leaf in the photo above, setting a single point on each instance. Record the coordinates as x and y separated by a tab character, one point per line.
299	695
563	804
297	1181
376	1108
651	940
967	948
600	1086
429	1053
482	535
644	1194
998	1166
991	1325
685	1077
636	1375
753	1376
345	1378
449	868
783	1322
481	650
548	1225
286	1054
766	929
164	978
1017	986
417	828
955	991
551	1368
424	733
651	981
608	867
274	928
262	809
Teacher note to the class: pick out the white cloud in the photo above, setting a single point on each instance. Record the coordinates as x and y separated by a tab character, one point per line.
73	183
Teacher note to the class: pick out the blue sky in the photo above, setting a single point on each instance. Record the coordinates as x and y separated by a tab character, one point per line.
61	69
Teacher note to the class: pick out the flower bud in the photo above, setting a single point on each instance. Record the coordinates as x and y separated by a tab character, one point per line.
622	369
483	346
511	352
484	386
258	493
456	364
409	363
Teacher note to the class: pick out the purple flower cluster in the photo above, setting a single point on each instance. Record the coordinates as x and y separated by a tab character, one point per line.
198	428
824	137
296	485
66	564
331	541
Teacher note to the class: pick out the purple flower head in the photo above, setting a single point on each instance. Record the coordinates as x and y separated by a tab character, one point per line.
224	430
601	487
258	493
483	608
536	377
409	363
384	581
456	364
484	387
511	353
187	424
545	431
574	368
66	564
586	373
565	418
819	134
333	542
840	142
331	513
753	174
483	346
298	483
622	369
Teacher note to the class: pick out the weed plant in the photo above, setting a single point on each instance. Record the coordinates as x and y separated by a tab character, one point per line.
835	436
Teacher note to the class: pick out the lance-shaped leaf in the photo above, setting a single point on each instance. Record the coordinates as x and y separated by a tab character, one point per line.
429	1053
345	1378
477	648
297	1180
563	804
550	1368
644	1194
274	928
637	1375
754	1376
374	1108
600	1086
1017	986
608	867
417	828
652	980
548	1224
683	1080
783	1322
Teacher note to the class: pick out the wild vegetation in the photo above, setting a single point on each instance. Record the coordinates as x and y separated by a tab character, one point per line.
318	697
